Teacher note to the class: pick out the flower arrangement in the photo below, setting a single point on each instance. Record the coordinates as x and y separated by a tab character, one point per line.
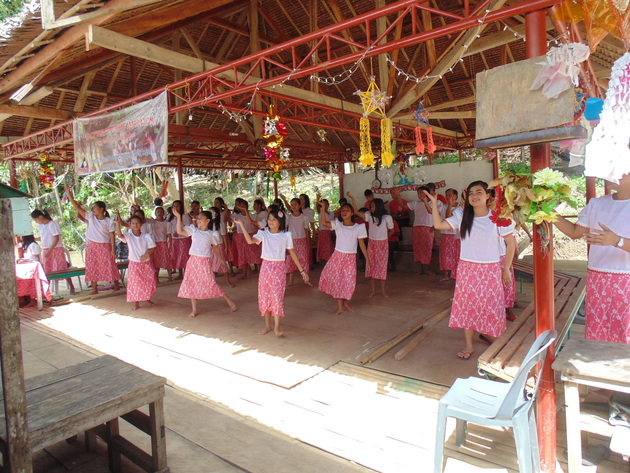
530	198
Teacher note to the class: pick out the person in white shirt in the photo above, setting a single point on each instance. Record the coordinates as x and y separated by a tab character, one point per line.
141	282
163	237
100	253
325	245
380	227
180	243
31	249
276	242
257	221
219	265
479	301
305	205
226	219
53	253
299	226
605	225
244	255
199	281
339	277
449	243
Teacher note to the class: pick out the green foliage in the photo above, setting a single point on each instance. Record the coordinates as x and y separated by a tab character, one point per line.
10	8
515	167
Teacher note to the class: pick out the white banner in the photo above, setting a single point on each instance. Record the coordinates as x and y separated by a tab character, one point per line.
134	137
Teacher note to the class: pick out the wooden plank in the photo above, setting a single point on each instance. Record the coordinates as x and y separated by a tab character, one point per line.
35	112
15	429
413	343
531	137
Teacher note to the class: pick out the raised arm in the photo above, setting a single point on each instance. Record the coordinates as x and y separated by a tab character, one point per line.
286	202
179	229
248	237
82	213
438	222
322	213
119	232
355	207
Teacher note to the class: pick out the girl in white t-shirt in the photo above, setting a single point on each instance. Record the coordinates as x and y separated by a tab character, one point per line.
605	224
276	242
53	253
380	227
325	245
199	282
339	276
31	249
180	243
226	246
299	226
305	205
163	237
243	254
219	265
100	253
141	281
449	243
257	221
479	302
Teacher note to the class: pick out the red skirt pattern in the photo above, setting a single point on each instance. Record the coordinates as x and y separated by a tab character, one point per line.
256	251
325	245
339	276
161	257
378	252
181	247
509	290
217	265
56	261
478	303
99	263
608	307
245	254
272	283
449	252
300	246
422	242
199	282
141	282
230	252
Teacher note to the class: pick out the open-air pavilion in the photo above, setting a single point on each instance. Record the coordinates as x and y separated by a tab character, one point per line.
223	65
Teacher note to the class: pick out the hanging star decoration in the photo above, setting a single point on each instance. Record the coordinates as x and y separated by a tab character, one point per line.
274	132
46	172
421	114
374	100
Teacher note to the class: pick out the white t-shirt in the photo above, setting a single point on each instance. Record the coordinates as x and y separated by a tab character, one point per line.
99	230
443	215
348	237
249	228
32	250
202	241
459	213
147	227
615	214
274	245
225	216
297	225
161	230
378	232
138	245
420	215
329	217
261	219
47	233
186	221
310	214
511	226
483	244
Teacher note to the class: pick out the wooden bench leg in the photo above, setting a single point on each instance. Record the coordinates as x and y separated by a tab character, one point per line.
90	440
158	436
113	454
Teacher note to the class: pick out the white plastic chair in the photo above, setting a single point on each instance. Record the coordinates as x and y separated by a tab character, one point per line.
496	403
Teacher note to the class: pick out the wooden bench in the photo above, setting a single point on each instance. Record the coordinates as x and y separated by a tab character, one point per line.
505	355
90	397
73	272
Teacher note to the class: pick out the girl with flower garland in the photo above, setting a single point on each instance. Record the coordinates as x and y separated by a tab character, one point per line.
478	304
199	281
339	276
276	242
605	225
380	227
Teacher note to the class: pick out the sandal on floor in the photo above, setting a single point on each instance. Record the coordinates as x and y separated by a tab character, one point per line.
464	355
485	339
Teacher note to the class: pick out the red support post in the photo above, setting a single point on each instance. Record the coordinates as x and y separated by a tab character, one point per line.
495	164
13	174
536	45
591	188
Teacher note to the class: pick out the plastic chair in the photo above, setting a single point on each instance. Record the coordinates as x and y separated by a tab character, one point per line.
495	403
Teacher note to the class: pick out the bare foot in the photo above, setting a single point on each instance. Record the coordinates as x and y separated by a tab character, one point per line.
431	273
279	334
94	292
73	291
193	314
372	294
151	302
265	330
385	295
136	306
337	312
179	277
243	276
348	307
232	305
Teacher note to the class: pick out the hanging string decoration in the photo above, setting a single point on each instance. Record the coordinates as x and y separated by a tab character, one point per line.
387	157
421	115
374	100
274	132
46	172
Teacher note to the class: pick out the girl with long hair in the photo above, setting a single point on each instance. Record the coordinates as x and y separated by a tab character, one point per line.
325	245
298	225
163	237
180	243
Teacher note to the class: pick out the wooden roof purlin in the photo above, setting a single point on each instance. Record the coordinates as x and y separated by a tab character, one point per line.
224	62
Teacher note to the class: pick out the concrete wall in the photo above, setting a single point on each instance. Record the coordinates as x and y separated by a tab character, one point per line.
456	175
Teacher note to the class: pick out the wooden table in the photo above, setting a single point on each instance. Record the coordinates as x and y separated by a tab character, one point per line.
90	397
602	365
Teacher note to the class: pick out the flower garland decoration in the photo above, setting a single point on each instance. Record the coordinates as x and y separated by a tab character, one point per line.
274	132
46	173
421	115
374	100
530	198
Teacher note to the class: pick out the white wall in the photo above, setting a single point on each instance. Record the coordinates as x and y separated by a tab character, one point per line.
456	175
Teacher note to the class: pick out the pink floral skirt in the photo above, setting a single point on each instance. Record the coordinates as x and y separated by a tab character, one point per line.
339	277
100	264
161	257
244	253
181	247
422	243
217	265
272	283
449	252
608	307
300	246
378	252
56	261
199	282
141	282
230	251
325	245
478	303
